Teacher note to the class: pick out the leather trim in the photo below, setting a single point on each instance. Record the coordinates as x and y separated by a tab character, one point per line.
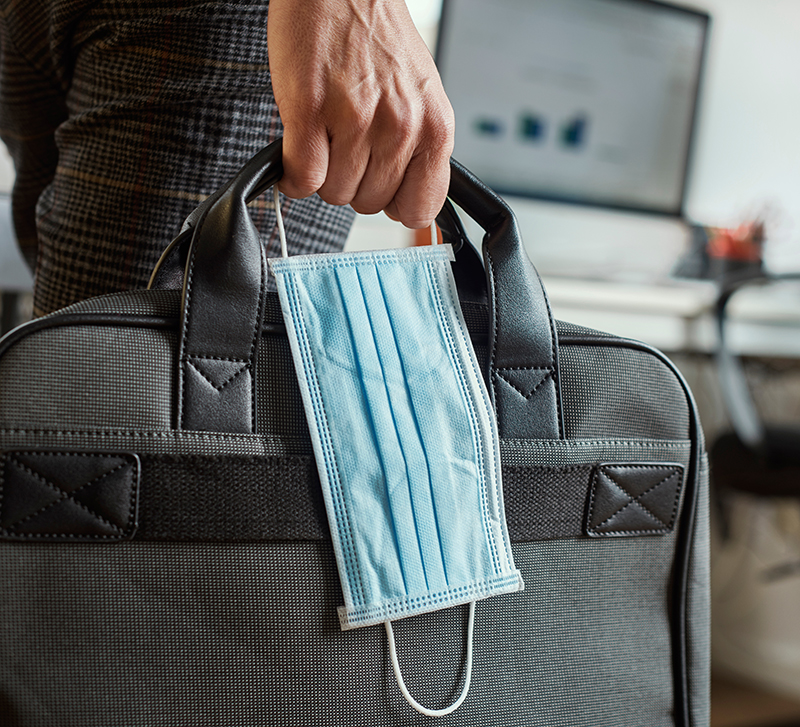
68	496
633	499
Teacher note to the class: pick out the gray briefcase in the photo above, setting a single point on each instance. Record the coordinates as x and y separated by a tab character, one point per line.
165	555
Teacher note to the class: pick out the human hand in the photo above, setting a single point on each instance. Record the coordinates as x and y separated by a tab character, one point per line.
366	120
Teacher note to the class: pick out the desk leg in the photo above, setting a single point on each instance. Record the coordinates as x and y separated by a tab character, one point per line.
10	315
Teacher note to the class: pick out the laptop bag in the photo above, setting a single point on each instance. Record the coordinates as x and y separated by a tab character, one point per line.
164	551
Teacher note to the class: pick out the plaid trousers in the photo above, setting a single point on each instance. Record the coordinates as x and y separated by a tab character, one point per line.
121	116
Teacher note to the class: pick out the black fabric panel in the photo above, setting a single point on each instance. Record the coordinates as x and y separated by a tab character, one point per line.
239	498
545	502
233	498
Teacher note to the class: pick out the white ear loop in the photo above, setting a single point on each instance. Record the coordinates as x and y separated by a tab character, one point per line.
467	677
434	234
281	231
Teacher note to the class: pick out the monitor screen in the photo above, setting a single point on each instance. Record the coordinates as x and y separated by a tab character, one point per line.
589	101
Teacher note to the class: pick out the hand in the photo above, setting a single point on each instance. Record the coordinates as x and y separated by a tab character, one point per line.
366	120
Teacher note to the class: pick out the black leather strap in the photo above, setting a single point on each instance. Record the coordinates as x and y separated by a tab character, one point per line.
222	305
223	299
523	347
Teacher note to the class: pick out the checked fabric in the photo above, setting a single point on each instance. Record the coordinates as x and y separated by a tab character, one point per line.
123	115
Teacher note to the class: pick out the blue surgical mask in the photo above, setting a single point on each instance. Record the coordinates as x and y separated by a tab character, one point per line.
402	428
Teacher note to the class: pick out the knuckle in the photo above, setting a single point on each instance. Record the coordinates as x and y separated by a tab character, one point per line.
302	184
334	194
440	130
366	207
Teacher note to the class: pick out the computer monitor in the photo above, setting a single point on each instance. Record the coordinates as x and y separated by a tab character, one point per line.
587	101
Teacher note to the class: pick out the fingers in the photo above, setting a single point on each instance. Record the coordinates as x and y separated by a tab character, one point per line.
402	168
377	160
426	180
305	161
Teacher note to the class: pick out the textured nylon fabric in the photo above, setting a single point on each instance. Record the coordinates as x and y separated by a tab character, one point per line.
205	635
606	392
548	501
227	498
698	607
159	303
88	376
200	633
624	392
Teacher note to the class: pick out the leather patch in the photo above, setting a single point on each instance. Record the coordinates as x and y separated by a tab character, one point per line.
634	499
218	395
51	496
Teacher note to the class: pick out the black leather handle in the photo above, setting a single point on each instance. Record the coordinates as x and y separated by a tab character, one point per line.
523	349
224	286
223	299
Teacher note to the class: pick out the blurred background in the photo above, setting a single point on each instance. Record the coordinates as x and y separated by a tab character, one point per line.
652	156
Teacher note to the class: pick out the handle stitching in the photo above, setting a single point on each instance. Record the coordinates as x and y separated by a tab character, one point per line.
536	388
218	387
493	356
186	313
632	499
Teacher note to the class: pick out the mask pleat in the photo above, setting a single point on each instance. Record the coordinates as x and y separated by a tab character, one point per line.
440	413
389	480
392	348
472	438
304	321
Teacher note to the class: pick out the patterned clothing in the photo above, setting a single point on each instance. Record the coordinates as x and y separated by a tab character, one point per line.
121	116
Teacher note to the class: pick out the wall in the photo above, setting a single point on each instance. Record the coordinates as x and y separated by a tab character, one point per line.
748	146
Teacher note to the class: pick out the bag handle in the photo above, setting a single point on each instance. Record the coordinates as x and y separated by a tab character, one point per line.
224	280
523	347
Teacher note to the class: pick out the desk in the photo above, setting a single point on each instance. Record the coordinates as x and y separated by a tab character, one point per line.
676	316
673	315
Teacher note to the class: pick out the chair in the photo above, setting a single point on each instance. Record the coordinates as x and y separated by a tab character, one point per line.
755	566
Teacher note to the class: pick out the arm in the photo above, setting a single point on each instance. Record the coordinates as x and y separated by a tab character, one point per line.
366	120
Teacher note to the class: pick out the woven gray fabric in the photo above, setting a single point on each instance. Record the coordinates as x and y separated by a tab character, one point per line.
122	116
608	391
86	377
158	303
201	635
698	606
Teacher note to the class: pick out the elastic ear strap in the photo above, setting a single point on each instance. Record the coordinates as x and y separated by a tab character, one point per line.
467	678
276	197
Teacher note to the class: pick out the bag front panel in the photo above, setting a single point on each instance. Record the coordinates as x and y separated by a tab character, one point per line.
185	625
246	634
